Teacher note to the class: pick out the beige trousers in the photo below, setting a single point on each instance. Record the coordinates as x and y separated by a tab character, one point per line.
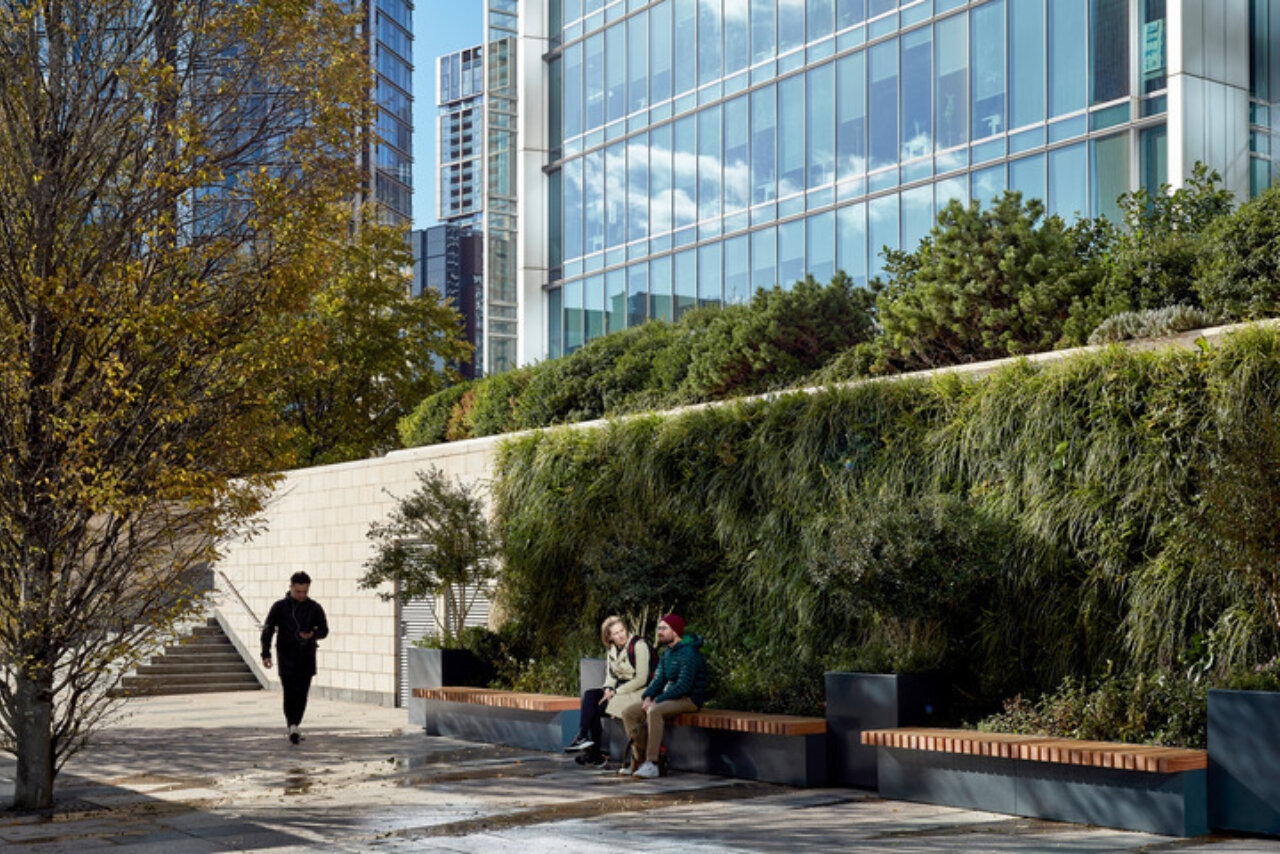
645	728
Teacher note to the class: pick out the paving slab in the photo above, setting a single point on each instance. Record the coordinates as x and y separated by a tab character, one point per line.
214	772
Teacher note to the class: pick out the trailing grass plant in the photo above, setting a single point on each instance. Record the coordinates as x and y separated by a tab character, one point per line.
1008	533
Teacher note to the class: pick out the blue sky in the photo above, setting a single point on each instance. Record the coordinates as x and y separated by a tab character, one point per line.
439	26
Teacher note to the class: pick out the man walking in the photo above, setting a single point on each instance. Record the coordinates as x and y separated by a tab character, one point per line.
679	685
301	623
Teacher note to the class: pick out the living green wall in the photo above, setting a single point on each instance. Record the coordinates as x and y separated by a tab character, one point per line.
1042	523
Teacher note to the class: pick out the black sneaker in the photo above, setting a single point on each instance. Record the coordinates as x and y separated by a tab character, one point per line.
595	760
582	742
294	735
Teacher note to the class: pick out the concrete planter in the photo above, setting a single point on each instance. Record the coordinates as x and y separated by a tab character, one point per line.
858	701
1244	761
437	668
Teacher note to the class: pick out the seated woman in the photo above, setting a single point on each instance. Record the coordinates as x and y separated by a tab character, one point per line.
631	661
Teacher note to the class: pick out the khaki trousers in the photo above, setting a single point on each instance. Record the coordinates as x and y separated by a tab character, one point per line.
645	728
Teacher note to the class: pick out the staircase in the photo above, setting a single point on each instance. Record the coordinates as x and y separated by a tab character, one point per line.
203	662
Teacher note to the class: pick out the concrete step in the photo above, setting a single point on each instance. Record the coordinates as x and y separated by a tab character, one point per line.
197	650
189	679
172	690
215	668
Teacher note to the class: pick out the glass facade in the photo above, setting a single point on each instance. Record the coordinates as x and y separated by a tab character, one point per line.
500	224
703	149
459	150
392	156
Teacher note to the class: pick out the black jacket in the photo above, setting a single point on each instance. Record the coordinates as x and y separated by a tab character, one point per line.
294	656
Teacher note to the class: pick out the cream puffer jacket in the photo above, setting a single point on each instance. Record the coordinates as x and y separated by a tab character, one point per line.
627	682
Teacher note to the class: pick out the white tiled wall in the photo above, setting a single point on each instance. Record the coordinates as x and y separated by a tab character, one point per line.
317	521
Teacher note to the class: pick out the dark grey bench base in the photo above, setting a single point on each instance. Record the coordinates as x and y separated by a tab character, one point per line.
1169	804
792	760
549	731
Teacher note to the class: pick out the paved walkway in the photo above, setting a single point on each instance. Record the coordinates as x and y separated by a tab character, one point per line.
215	773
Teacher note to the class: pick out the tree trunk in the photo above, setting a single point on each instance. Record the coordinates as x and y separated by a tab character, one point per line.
33	786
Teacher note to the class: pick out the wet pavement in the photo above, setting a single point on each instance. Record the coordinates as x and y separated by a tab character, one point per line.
214	772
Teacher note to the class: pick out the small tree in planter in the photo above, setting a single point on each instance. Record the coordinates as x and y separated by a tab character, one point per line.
437	546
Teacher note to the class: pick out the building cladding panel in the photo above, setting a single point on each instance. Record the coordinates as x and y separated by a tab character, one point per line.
391	53
699	150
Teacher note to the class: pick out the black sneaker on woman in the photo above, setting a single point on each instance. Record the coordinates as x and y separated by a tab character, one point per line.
582	742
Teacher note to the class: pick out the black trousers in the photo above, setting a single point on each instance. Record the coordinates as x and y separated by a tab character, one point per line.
592	714
296	686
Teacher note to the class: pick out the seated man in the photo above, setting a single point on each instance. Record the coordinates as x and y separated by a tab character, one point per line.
679	685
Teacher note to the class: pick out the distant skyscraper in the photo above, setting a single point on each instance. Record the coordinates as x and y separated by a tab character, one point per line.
389	159
460	186
448	259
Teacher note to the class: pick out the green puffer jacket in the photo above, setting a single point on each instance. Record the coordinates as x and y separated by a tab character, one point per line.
682	672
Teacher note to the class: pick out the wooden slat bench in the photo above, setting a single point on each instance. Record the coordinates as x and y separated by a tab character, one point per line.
534	721
1126	786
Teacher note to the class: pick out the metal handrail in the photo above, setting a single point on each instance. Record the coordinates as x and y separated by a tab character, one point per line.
231	586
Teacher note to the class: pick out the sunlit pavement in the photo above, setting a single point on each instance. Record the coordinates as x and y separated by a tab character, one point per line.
215	772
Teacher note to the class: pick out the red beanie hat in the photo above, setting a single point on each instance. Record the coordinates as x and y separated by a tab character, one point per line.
675	622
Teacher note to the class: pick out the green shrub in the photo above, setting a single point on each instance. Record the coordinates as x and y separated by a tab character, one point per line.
1238	275
496	399
429	421
779	337
1165	709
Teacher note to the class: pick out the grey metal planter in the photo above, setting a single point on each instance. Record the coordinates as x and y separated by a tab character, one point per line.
1244	761
436	668
858	701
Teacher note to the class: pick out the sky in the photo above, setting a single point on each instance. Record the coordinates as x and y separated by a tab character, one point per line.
439	26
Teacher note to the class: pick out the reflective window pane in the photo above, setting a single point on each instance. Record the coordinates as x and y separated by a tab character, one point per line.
790	253
685	46
1027	177
615	72
572	316
737	170
764	122
917	84
1153	152
882	229
987	184
917	216
737	36
637	294
1109	42
684	276
615	296
615	195
850	12
710	169
950	190
555	324
951	69
638	62
661	306
851	241
737	270
660	52
572	209
791	137
821	19
593	82
986	35
638	187
573	90
1151	41
1068	186
764	259
790	24
820	246
851	115
820	134
710	65
684	177
660	180
593	202
1108	174
709	274
1067	56
883	105
763	29
593	301
1026	62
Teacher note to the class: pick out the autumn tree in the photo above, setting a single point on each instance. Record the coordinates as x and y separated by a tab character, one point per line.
374	351
174	177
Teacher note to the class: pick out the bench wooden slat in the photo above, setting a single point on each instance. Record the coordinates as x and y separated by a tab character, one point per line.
500	699
1069	751
725	719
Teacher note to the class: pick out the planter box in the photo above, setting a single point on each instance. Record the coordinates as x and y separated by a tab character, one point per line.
1244	761
438	668
858	701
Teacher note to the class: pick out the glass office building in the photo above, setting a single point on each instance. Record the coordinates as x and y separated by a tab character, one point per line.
688	152
391	154
460	127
